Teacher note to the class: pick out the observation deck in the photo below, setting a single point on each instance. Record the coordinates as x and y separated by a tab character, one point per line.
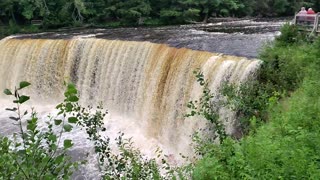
308	22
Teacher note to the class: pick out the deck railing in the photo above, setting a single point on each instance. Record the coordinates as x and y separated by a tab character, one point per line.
309	22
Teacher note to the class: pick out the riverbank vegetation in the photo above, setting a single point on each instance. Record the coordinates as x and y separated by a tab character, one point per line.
284	142
52	14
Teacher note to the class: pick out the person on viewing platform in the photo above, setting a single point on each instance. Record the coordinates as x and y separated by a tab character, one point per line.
303	11
311	18
301	15
310	11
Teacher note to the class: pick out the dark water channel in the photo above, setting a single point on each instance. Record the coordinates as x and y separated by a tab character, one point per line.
233	37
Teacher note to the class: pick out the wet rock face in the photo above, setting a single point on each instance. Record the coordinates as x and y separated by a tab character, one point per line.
240	37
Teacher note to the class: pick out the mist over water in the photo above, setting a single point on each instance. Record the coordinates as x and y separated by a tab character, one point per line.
145	86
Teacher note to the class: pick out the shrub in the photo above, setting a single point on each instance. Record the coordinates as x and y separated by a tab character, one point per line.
289	35
287	147
41	154
205	108
35	153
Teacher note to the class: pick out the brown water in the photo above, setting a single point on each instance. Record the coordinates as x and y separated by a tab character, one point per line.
145	86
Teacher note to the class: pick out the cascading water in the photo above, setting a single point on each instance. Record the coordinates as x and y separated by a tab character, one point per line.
144	86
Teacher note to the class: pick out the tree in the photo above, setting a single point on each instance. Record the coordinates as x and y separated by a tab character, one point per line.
207	8
180	11
64	12
280	7
7	10
95	10
247	8
128	10
78	9
229	7
33	8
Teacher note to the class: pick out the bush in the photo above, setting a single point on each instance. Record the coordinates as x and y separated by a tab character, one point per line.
287	147
35	153
282	72
289	35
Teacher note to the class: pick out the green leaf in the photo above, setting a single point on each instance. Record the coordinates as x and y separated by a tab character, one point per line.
52	137
71	89
73	99
69	107
53	147
48	177
24	84
23	99
22	152
31	126
71	86
16	144
57	122
59	160
67	127
59	106
67	144
7	92
72	120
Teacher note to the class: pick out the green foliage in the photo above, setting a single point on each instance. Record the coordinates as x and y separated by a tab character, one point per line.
35	154
59	13
224	161
205	108
287	147
289	35
250	100
14	29
153	22
33	9
123	162
282	72
129	10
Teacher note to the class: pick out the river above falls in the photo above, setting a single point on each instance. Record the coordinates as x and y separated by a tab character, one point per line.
234	37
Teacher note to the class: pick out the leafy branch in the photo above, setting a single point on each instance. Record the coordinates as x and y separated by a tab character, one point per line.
205	108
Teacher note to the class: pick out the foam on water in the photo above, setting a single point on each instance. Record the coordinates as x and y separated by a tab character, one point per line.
145	86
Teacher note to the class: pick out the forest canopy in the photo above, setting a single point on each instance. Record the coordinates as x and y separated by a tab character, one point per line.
58	13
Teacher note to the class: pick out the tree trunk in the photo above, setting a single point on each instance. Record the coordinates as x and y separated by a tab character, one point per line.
206	17
13	17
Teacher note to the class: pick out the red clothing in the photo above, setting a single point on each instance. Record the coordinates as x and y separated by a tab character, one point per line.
310	12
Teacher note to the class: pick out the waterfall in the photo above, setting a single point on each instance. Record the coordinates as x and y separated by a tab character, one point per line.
149	84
